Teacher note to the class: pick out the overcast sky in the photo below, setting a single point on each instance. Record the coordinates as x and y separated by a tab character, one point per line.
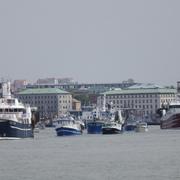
91	40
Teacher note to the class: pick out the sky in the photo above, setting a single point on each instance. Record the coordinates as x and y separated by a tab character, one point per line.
92	41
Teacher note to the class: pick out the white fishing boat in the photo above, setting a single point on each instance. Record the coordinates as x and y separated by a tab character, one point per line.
141	127
114	125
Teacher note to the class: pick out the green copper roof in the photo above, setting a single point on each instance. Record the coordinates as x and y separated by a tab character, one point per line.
43	91
141	91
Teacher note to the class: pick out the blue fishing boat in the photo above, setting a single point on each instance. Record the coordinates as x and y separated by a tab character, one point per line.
94	127
67	127
130	127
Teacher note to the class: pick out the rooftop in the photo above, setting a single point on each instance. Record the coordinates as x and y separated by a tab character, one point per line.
43	91
142	89
145	86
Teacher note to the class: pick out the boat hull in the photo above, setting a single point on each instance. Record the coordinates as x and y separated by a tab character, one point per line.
130	127
141	127
94	127
11	129
173	122
111	131
63	131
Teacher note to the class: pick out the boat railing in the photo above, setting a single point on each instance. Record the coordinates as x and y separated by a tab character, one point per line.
8	116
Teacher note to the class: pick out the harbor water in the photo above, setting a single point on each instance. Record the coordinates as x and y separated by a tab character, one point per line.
154	155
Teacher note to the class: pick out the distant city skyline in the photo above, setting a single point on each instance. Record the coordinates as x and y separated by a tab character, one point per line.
97	41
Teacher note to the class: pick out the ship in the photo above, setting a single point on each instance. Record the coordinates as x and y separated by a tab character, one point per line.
171	116
67	126
15	117
95	124
114	125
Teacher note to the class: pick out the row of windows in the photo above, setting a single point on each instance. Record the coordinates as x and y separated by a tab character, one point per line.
139	101
37	97
47	108
131	101
65	101
137	96
44	102
12	110
132	96
138	106
43	97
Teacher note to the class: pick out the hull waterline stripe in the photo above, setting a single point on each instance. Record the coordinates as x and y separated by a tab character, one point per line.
20	128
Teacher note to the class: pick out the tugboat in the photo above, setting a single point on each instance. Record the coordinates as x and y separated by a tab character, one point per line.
15	117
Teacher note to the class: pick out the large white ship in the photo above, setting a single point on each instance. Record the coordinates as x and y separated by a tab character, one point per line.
15	117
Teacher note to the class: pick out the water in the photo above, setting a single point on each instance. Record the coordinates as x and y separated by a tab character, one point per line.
154	155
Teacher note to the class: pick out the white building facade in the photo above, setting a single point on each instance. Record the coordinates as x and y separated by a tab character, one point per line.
146	99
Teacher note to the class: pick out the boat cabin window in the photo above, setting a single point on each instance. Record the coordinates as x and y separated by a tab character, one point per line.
174	106
12	110
10	101
65	122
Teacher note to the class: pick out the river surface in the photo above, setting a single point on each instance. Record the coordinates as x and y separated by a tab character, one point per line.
154	155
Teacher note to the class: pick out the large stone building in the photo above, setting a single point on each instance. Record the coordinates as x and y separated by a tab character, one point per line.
147	98
50	102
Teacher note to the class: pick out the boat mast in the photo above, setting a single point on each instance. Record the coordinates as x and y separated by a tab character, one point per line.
104	103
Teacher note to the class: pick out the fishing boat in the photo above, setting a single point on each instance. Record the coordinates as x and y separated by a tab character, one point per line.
130	126
171	116
141	127
130	123
111	128
114	125
94	127
67	126
15	117
99	116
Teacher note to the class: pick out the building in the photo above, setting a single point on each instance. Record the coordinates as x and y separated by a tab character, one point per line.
51	102
54	81
82	87
147	98
47	81
76	105
19	85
